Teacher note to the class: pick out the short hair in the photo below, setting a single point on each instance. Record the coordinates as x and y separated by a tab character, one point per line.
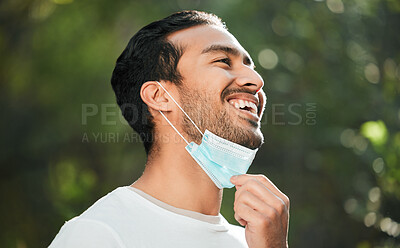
149	56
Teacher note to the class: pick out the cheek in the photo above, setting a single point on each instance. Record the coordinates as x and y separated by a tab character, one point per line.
222	74
218	82
217	74
211	82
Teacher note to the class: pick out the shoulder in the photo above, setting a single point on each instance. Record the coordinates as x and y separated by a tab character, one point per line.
80	232
99	226
116	208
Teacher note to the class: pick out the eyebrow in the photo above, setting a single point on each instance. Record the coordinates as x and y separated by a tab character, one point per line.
229	50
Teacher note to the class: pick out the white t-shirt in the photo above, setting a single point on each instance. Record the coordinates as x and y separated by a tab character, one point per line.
130	218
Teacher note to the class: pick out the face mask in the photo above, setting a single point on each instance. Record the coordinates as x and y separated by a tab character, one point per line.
219	158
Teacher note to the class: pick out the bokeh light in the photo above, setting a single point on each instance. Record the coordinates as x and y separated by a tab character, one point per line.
336	6
268	59
372	73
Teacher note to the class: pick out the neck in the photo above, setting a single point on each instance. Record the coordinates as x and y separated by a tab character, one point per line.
172	176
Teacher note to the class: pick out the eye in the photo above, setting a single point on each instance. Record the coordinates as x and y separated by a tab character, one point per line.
248	62
226	61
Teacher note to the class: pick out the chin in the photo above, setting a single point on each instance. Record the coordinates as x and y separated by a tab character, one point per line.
257	140
250	138
254	138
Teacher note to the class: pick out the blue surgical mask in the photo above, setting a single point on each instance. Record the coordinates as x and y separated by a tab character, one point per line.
219	158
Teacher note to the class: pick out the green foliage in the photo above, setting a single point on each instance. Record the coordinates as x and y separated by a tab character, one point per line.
332	77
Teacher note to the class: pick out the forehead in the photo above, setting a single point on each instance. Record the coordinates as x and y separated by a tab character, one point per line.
196	39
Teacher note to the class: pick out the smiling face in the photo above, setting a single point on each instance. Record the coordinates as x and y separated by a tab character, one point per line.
220	89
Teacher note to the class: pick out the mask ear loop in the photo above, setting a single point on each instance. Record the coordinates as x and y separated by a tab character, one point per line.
198	129
173	127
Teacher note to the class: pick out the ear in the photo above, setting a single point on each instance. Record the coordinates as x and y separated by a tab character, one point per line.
155	97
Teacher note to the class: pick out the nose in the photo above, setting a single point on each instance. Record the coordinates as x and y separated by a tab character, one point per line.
249	78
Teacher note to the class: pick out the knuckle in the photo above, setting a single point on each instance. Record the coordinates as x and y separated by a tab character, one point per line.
235	208
237	194
274	215
263	178
286	200
281	208
271	213
236	217
263	222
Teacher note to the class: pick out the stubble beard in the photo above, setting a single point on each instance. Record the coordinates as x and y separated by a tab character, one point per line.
201	109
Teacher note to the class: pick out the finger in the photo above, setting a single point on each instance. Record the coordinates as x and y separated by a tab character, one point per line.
251	216
263	193
257	204
240	220
239	180
265	208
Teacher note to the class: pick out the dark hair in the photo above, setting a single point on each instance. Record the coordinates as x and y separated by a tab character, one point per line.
149	56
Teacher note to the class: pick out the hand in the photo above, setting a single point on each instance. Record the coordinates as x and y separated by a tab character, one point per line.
263	209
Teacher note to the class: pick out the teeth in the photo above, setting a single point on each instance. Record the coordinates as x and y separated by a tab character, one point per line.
241	103
253	107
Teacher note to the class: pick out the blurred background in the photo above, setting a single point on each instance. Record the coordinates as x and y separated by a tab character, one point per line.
332	77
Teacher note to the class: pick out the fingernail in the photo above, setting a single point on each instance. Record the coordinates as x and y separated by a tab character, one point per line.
233	178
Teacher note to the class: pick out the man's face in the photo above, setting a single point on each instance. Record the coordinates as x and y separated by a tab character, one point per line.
220	91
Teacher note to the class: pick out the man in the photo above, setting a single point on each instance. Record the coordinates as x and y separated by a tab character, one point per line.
196	84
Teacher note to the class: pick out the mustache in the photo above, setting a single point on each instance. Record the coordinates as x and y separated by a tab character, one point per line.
227	92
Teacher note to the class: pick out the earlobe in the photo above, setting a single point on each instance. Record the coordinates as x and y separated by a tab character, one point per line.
154	97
